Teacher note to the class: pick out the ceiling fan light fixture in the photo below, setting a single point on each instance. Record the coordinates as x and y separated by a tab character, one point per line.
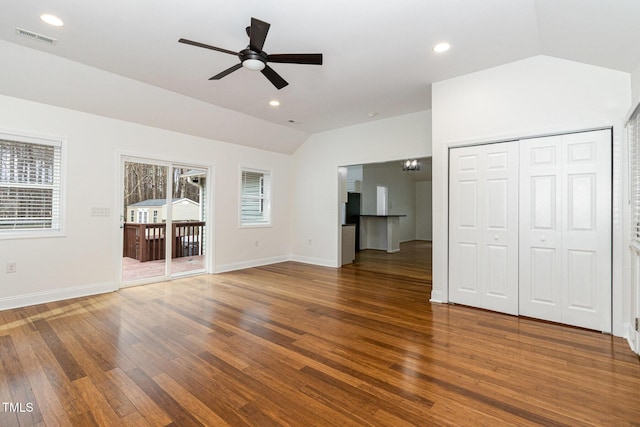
254	58
253	64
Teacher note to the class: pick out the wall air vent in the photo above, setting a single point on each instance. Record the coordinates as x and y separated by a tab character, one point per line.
35	36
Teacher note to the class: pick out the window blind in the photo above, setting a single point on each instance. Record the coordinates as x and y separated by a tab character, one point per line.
29	185
633	138
255	206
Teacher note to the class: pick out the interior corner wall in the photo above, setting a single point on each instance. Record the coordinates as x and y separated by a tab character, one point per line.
401	195
635	85
424	209
531	97
316	219
85	260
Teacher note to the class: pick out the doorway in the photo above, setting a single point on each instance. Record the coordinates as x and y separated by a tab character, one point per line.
408	196
163	220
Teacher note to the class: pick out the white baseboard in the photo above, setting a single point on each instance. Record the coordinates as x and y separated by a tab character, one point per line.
627	331
630	333
315	261
223	268
436	296
56	295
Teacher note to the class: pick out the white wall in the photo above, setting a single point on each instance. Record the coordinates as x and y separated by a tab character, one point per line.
401	195
635	85
315	176
85	260
531	97
424	209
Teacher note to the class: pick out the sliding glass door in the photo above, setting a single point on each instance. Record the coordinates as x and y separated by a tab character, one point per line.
163	220
188	220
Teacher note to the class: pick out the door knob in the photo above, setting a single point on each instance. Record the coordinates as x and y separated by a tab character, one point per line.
543	239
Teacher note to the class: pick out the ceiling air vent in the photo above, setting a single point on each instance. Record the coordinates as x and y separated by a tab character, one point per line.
35	36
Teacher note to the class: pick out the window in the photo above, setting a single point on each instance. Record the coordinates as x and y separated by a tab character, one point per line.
155	216
633	138
133	217
143	216
255	203
30	186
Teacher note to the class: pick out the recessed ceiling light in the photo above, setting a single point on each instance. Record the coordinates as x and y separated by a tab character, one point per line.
441	47
52	20
274	103
372	114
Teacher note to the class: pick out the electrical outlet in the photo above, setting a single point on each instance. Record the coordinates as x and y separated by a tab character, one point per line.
12	267
257	243
310	242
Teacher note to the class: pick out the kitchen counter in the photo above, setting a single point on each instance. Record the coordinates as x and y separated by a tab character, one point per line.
381	232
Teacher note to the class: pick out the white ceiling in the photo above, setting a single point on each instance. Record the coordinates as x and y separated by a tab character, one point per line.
377	55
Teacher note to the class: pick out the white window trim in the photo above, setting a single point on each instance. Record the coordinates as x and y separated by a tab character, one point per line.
268	198
44	140
632	128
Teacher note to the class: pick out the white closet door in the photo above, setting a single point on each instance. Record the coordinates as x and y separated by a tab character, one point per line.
541	229
483	261
465	182
565	229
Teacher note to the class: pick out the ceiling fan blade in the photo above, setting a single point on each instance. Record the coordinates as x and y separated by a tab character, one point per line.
258	34
206	46
296	58
274	77
227	72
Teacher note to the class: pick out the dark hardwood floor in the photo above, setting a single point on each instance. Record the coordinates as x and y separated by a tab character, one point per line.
293	344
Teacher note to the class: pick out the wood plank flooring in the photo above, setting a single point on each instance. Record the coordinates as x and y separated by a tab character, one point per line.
293	344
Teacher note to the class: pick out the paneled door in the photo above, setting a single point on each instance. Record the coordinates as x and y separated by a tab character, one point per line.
483	226
565	229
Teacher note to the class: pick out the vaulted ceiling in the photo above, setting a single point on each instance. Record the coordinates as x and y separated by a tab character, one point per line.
378	57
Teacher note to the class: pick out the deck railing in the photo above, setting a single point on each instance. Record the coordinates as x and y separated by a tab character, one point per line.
146	242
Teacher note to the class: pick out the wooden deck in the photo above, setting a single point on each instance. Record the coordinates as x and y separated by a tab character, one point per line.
146	242
300	345
133	270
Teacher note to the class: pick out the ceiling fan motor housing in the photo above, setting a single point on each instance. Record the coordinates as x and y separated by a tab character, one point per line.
252	56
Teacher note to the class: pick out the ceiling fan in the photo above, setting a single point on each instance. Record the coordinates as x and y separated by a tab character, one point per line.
254	58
